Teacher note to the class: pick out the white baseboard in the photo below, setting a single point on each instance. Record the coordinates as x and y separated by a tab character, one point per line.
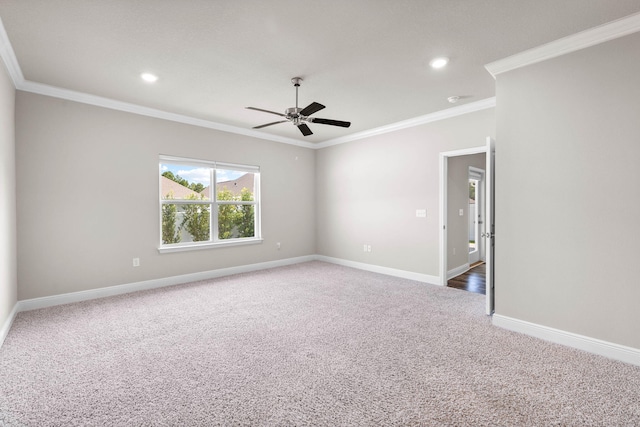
50	301
458	271
54	300
592	345
7	323
36	303
433	280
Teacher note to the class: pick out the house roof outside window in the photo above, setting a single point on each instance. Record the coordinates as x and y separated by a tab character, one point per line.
179	191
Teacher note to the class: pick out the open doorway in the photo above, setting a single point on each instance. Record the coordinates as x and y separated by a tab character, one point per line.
465	188
455	221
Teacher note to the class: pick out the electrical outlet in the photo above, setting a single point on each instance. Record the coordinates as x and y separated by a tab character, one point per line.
364	248
278	245
421	213
461	212
368	248
136	262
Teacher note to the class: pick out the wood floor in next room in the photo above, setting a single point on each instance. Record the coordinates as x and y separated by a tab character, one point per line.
472	281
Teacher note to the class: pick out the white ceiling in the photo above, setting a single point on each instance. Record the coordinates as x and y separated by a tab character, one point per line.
366	60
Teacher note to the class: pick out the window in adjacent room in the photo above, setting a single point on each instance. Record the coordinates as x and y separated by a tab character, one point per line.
205	204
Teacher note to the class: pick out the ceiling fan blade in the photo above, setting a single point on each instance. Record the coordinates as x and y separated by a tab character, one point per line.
305	129
330	122
269	124
311	108
265	111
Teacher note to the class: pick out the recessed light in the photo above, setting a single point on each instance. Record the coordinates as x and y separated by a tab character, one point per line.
439	62
453	99
149	78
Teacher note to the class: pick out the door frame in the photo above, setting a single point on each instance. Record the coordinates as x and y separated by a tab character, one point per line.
444	157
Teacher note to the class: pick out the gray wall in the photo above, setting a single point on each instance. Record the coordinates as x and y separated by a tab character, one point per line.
368	192
8	277
87	196
458	198
567	176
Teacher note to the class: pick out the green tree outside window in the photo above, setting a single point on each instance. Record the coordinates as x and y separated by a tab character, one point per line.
196	219
170	229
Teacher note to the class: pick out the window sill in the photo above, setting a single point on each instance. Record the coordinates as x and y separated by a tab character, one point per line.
209	245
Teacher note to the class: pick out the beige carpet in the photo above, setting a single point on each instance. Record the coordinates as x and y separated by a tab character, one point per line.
311	344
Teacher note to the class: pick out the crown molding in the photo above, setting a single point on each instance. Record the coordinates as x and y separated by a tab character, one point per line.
593	36
9	57
56	92
417	121
84	98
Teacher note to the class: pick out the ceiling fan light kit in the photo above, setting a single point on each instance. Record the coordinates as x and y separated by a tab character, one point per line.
300	116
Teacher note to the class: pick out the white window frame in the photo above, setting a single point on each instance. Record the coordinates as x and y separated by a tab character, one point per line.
213	202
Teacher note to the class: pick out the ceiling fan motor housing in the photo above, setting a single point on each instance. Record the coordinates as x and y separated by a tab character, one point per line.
293	111
293	114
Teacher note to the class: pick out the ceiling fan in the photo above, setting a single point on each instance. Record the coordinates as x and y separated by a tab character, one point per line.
300	116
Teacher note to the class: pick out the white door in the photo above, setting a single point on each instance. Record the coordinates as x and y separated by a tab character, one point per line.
490	223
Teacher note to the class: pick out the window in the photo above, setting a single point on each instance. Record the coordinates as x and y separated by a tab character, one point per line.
205	204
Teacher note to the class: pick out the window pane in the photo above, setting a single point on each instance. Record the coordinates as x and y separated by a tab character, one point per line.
180	182
170	225
194	222
236	221
234	185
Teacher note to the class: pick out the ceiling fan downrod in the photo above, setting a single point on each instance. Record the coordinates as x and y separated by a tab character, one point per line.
295	113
